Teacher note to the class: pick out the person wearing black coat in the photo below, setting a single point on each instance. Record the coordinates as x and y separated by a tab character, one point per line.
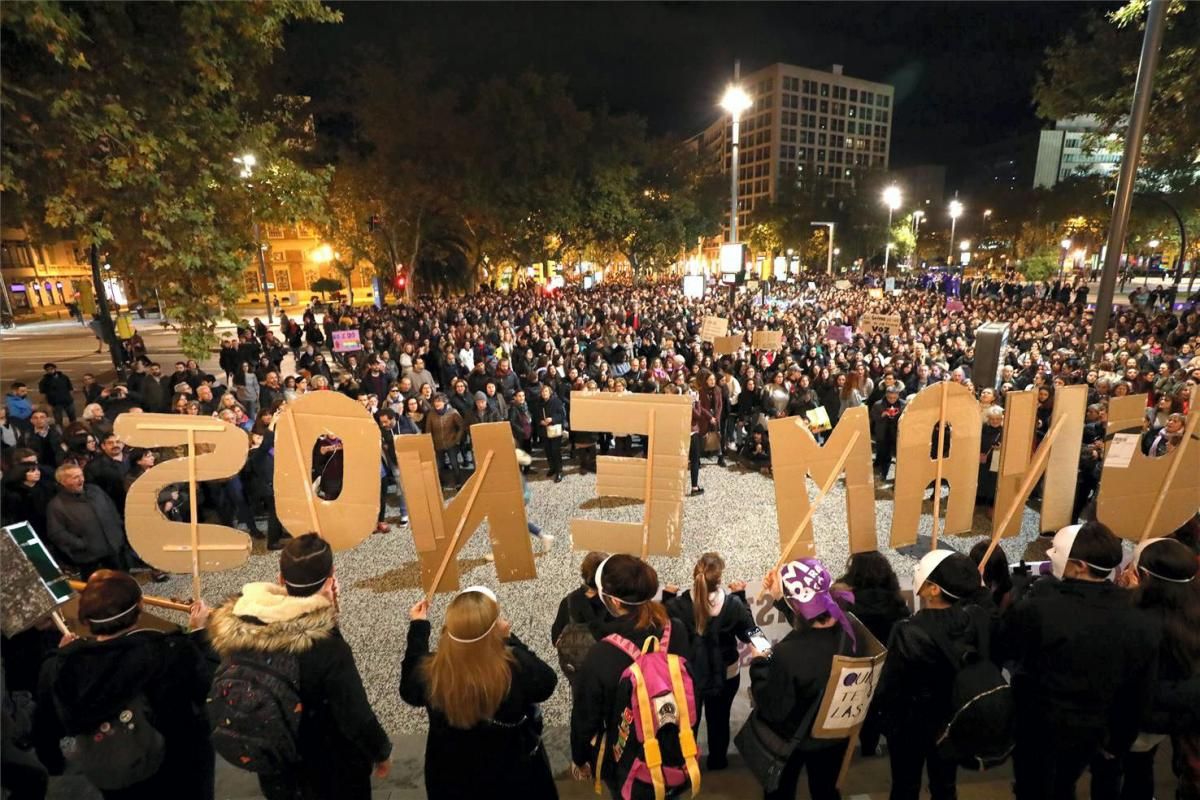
56	387
885	422
787	684
914	694
990	441
340	737
1083	656
90	682
501	734
715	629
627	586
550	413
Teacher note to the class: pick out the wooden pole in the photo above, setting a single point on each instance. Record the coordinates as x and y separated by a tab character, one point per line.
937	483
808	515
1188	432
309	495
1031	477
647	486
60	623
150	600
195	513
462	523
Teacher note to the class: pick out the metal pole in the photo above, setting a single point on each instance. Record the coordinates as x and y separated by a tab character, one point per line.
887	244
733	164
829	258
262	271
950	254
107	330
1142	92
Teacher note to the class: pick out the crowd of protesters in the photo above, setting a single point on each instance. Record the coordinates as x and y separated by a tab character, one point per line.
439	366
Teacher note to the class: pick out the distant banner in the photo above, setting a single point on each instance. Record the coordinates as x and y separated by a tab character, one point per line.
954	305
346	341
839	333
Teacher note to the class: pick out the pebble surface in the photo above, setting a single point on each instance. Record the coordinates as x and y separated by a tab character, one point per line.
735	516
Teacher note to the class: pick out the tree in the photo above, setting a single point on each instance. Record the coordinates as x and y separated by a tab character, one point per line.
1041	265
120	122
326	285
1095	73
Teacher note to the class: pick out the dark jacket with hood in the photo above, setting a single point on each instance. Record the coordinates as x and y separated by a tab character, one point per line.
339	733
596	709
90	682
879	610
496	746
716	649
578	607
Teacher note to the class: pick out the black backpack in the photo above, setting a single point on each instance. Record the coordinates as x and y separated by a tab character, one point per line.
122	751
573	645
981	731
254	711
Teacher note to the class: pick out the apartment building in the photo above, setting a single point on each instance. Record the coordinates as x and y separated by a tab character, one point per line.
1074	146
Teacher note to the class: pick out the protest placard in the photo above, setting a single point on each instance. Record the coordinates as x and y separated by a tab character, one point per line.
766	340
712	327
887	324
346	341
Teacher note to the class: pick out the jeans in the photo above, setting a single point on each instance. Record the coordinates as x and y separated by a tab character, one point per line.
823	768
717	707
449	457
908	754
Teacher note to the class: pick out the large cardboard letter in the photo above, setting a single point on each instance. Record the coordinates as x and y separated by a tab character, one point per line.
494	492
916	469
796	454
181	546
1060	467
348	520
659	479
1148	496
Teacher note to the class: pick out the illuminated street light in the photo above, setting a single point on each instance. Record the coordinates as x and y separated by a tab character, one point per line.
1154	243
248	162
891	199
1062	262
964	245
956	210
734	102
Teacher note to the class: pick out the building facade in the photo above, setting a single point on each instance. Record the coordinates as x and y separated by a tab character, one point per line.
804	124
1074	146
296	257
40	279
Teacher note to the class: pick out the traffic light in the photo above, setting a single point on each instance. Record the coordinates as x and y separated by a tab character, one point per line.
400	281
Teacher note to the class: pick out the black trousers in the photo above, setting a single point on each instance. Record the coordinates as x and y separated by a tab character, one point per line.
717	708
553	454
908	755
694	450
1048	763
59	410
823	767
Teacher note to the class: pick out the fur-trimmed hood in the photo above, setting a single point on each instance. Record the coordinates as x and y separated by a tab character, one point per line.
266	619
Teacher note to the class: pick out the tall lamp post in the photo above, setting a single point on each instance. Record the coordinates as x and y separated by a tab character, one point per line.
248	162
956	210
828	258
1062	262
891	199
735	102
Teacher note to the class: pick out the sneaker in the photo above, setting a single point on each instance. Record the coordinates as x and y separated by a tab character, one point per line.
159	577
382	527
404	519
547	541
697	490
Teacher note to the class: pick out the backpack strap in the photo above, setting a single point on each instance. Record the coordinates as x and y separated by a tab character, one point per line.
687	739
624	645
665	639
650	747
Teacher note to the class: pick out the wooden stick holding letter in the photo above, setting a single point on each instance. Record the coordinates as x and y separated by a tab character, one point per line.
648	487
1188	432
937	481
462	522
148	599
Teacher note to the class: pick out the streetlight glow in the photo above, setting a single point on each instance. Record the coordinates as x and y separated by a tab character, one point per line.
1154	243
891	197
964	245
956	209
1066	244
918	214
736	100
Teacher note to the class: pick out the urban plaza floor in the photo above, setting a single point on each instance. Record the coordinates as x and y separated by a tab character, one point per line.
735	516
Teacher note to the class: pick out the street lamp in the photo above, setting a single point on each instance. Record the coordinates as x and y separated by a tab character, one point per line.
734	102
248	162
832	250
956	210
891	199
1062	262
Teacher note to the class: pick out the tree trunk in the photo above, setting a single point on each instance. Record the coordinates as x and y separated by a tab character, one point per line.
107	329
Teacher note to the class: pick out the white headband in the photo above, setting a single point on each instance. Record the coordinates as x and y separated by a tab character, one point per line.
486	592
118	616
600	588
307	585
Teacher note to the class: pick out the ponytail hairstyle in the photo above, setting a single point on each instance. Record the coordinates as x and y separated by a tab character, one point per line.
706	579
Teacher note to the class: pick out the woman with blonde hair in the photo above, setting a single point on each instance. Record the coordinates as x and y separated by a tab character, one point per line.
481	689
716	620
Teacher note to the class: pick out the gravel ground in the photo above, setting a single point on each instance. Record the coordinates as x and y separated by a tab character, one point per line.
735	516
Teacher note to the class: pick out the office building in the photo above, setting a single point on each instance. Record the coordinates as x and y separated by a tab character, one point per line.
1074	147
804	124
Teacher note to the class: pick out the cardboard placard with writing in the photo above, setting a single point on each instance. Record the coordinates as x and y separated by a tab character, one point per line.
851	685
660	479
727	345
220	452
350	518
766	340
916	459
842	334
795	455
887	324
33	585
712	327
346	342
493	492
1153	495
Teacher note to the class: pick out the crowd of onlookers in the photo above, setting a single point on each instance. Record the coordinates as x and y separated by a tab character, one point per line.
439	366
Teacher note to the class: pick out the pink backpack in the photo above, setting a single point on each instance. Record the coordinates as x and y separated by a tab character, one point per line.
662	706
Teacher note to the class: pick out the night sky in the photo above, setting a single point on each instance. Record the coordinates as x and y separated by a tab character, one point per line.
963	71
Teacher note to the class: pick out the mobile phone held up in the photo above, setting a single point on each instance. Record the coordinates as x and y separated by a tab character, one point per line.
760	641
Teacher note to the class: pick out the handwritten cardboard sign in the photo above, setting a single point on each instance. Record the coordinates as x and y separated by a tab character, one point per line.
726	345
766	340
713	327
887	324
346	341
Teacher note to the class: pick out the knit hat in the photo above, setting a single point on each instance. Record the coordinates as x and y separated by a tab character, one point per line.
480	396
806	588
